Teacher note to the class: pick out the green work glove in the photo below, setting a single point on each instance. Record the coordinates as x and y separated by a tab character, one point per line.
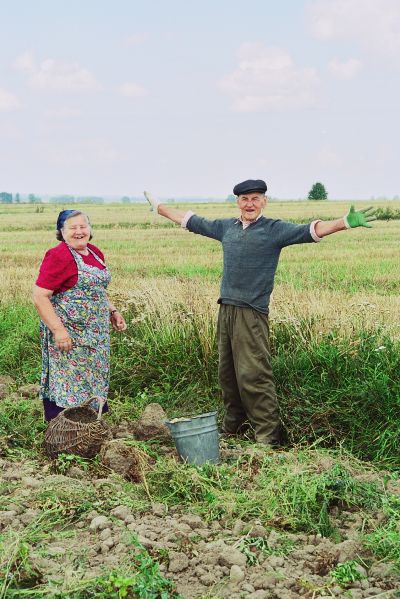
359	218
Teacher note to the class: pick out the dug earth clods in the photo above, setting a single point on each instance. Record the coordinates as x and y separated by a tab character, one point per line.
79	527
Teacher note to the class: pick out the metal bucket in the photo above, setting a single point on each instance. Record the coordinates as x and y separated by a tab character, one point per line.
196	439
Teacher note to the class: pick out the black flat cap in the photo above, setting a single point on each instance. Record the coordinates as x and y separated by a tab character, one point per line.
250	186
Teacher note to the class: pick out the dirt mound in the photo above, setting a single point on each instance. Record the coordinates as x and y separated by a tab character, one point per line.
127	460
6	385
151	424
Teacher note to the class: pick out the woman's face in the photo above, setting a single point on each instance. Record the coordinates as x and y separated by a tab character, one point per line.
76	232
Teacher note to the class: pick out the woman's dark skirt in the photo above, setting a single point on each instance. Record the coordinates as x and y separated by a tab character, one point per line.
51	409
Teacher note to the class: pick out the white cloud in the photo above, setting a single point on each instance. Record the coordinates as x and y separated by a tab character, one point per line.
373	25
132	90
25	62
266	78
136	39
55	76
8	101
345	69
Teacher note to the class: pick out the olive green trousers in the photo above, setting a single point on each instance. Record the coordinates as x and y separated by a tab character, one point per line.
245	373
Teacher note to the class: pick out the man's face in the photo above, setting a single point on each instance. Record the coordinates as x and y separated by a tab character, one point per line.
251	205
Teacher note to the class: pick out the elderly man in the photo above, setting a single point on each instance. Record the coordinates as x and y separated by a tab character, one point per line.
251	247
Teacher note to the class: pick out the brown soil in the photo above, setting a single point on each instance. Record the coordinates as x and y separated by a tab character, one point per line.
204	559
129	461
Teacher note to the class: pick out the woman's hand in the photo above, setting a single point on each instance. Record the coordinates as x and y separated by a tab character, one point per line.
62	339
118	321
41	299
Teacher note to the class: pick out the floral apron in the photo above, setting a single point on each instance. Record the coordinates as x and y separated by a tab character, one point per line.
68	378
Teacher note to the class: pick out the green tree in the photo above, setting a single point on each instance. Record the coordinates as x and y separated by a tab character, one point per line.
230	198
125	200
5	198
32	199
318	192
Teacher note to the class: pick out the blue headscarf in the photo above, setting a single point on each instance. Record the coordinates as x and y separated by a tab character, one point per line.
62	217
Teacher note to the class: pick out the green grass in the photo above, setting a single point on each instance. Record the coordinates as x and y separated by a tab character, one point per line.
344	390
291	491
384	540
19	349
21	425
331	388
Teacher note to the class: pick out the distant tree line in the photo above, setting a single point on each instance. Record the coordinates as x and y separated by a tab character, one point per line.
66	199
8	198
317	192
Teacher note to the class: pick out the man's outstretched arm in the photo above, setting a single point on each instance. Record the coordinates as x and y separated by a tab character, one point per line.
173	214
188	220
354	218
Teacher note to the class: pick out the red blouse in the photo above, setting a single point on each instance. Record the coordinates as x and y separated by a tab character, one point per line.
59	272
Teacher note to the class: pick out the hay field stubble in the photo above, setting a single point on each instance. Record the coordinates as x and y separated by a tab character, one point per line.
349	281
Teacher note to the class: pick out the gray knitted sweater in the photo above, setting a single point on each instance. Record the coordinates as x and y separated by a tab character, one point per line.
251	255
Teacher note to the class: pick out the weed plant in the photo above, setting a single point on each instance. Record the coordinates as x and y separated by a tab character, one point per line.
59	504
21	426
249	546
292	491
347	573
138	576
384	540
387	213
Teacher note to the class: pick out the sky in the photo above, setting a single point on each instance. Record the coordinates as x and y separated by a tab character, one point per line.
190	97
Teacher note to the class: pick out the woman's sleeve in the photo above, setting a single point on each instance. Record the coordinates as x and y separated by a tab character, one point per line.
53	271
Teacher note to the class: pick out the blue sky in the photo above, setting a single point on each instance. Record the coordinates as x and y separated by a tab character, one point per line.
187	98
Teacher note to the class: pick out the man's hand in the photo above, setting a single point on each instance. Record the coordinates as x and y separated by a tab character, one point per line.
163	210
359	218
152	201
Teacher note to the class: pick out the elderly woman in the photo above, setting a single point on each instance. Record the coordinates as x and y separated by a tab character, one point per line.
70	296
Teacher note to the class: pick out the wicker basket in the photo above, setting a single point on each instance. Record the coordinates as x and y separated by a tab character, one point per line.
77	430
